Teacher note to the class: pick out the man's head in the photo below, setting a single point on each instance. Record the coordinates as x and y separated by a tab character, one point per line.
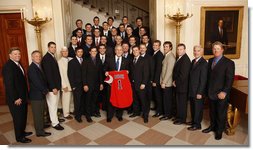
139	21
143	49
198	51
96	21
167	46
220	23
103	40
36	56
218	49
156	45
114	31
132	40
73	40
145	39
96	32
105	26
110	21
125	47
64	52
118	50
102	49
118	40
125	20
79	23
88	27
88	39
136	51
93	51
129	30
15	54
51	47
79	32
79	52
121	27
181	49
142	31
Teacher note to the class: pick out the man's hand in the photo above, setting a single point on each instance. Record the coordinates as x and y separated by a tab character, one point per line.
18	102
142	87
127	72
199	96
85	88
55	91
222	95
154	84
65	89
106	73
174	83
101	87
163	86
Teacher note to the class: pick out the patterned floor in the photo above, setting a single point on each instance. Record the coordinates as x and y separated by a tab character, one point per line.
131	131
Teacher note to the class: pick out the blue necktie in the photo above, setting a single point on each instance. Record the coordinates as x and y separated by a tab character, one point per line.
117	64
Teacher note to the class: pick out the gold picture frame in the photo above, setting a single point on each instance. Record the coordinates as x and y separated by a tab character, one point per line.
210	16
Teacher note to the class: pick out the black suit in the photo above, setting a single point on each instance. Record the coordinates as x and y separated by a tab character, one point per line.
99	27
139	73
76	83
82	42
111	66
92	77
109	34
150	50
157	66
197	85
180	76
217	36
86	53
72	53
15	88
51	70
111	42
220	79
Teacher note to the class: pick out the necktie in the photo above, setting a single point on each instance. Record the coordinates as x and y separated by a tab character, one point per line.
105	33
103	59
135	60
96	42
117	64
80	60
195	62
214	63
21	69
94	61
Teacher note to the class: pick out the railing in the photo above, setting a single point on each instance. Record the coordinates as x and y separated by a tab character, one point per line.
118	9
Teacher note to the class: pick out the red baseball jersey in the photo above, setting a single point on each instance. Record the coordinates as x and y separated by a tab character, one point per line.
121	90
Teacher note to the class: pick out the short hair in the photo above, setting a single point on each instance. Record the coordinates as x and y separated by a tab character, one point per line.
79	20
129	26
64	48
169	43
114	28
87	24
122	25
96	17
87	37
103	36
35	51
135	46
72	36
93	47
78	48
146	35
101	45
110	18
50	43
13	49
139	18
124	17
117	46
198	46
125	43
157	41
218	43
142	45
132	37
104	22
96	29
79	29
181	44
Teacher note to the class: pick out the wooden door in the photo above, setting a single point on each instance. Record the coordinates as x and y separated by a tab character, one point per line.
12	34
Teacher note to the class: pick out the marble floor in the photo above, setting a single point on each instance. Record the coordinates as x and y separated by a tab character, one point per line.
131	131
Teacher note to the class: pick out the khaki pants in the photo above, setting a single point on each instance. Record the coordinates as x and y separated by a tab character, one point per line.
52	102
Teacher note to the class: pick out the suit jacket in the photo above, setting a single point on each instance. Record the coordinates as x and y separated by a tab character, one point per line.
167	69
86	53
74	32
82	43
75	73
110	42
157	66
217	37
109	34
100	29
181	73
37	82
111	64
150	50
71	51
221	77
139	73
92	73
63	67
149	63
51	69
198	78
129	57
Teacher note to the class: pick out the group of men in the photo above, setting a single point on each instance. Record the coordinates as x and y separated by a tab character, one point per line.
79	75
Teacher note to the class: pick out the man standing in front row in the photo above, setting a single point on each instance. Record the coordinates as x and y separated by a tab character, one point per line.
180	82
52	73
16	94
221	71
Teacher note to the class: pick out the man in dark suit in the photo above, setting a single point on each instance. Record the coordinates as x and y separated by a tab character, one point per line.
72	46
79	25
86	46
16	94
92	83
80	37
109	49
111	40
76	83
146	41
157	66
139	79
96	37
37	93
221	71
220	33
96	24
111	66
106	32
139	24
122	31
88	28
180	82
52	73
126	52
197	87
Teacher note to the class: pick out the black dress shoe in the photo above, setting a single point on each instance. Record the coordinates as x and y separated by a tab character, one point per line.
24	140
189	123
28	133
97	115
157	115
174	119
134	115
193	128
78	119
58	127
218	136
120	119
61	120
68	117
207	130
44	134
47	126
165	118
108	120
177	122
145	120
89	119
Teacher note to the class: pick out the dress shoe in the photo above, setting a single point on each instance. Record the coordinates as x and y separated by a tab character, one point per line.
71	113
189	123
78	119
44	134
145	120
120	119
28	133
24	140
68	117
97	115
174	119
193	128
165	118
108	120
89	119
134	115
61	120
157	115
58	127
177	122
47	126
207	130
218	136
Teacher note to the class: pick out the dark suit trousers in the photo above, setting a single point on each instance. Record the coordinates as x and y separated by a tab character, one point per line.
196	111
78	102
149	95
91	101
140	101
102	97
167	101
181	106
19	117
158	98
174	103
111	109
38	113
218	114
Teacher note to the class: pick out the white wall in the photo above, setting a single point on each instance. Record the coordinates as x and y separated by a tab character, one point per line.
190	31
